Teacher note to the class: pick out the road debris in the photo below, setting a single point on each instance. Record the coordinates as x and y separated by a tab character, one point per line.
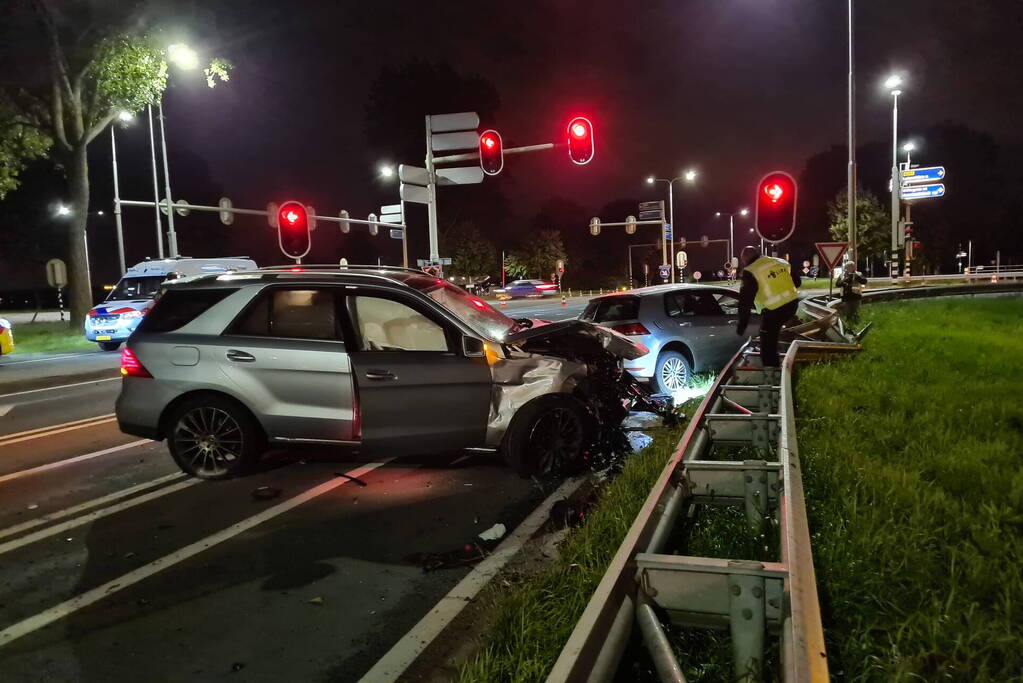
265	492
315	601
350	478
493	533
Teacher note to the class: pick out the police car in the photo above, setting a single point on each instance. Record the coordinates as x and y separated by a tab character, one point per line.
112	322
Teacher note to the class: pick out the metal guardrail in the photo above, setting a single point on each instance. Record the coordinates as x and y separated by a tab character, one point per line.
747	406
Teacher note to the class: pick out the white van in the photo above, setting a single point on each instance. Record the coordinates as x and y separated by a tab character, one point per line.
113	321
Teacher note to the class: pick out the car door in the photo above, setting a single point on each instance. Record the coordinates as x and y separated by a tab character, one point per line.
418	392
703	325
286	356
729	304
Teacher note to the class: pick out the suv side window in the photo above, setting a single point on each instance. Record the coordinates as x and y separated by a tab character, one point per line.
292	314
388	325
178	307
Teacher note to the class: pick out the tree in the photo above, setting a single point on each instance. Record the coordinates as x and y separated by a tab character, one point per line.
873	222
472	255
72	70
542	253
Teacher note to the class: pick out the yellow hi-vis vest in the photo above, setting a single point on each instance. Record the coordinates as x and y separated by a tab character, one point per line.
774	283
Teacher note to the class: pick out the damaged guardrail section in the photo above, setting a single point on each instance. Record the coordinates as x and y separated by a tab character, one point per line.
740	450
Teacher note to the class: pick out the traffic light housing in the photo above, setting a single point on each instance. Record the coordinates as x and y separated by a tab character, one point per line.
580	140
293	229
776	206
491	152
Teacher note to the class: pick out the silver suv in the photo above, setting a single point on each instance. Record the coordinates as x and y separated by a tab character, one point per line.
373	358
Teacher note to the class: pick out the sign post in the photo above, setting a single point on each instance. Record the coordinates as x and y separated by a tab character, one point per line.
832	253
56	276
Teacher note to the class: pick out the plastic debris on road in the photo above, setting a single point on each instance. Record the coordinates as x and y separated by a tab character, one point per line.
265	492
493	533
638	440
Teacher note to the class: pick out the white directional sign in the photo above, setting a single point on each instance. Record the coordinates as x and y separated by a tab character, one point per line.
443	142
928	174
414	193
392	213
461	175
923	191
226	217
56	273
390	208
466	120
415	175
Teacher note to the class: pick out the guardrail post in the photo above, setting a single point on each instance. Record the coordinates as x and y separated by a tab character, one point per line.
747	620
755	477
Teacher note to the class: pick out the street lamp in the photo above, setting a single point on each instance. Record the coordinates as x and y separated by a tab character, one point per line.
125	117
731	228
386	171
907	148
182	55
689	176
63	210
894	84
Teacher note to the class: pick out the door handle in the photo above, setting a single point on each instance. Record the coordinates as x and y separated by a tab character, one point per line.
685	324
380	374
240	356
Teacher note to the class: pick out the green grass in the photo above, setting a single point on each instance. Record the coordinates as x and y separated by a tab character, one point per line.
534	618
913	471
50	337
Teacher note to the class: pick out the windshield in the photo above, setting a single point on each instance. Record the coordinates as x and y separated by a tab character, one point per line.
474	312
137	288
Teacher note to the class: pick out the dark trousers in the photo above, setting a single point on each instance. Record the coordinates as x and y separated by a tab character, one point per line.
770	325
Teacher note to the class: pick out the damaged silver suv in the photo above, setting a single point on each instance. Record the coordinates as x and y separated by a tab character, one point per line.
371	358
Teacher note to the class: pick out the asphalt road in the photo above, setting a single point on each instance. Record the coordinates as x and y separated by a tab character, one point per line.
115	567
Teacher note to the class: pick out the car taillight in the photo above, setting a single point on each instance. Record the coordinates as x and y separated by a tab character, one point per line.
630	329
548	286
130	365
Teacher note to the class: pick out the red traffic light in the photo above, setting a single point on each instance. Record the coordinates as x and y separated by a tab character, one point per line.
491	152
293	229
580	140
776	206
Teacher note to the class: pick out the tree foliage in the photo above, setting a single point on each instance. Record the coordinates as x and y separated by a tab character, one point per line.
541	253
472	255
873	222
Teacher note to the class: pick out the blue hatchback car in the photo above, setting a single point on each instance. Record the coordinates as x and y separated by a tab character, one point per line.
526	289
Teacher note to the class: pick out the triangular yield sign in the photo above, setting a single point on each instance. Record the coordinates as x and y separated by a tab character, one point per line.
831	252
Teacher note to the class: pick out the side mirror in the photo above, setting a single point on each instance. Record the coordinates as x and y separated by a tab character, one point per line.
472	347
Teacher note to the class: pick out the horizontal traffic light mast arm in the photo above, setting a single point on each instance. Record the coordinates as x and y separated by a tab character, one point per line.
604	225
254	212
472	156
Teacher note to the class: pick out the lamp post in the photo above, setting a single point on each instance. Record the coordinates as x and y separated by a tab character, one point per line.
908	148
386	172
893	83
851	179
731	229
689	176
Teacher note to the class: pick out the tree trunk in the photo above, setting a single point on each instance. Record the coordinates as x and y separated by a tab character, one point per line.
79	280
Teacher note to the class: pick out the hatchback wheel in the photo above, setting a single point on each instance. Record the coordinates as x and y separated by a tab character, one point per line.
547	436
213	438
673	372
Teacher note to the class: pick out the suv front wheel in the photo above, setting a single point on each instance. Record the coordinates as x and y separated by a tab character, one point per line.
549	435
211	437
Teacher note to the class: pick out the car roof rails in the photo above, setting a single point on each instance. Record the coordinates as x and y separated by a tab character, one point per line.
337	267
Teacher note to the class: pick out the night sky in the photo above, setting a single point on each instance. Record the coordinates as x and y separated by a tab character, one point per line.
734	88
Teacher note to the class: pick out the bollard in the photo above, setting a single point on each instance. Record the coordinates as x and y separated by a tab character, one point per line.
564	301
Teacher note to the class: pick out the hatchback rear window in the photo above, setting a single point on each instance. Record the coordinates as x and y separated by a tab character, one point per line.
612	309
178	307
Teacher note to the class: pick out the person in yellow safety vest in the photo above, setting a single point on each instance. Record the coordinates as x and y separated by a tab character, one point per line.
851	282
770	284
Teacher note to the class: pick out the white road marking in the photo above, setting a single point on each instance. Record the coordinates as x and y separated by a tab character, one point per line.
18	437
6	408
87	505
78	458
60	386
57	612
93	516
43	360
392	665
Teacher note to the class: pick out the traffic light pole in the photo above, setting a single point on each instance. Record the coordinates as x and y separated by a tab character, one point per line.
431	188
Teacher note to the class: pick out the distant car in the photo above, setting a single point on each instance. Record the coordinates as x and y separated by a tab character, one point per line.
6	337
526	289
112	322
687	329
373	358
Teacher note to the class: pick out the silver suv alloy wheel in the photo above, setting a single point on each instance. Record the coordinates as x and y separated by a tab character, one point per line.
209	439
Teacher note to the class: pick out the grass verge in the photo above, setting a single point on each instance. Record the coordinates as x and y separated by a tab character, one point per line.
533	619
50	337
912	455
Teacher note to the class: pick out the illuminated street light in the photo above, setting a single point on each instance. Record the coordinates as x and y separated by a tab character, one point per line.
893	82
650	180
744	212
386	171
183	56
690	175
731	228
125	116
63	210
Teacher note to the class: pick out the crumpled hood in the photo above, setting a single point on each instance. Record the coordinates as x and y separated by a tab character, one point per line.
613	342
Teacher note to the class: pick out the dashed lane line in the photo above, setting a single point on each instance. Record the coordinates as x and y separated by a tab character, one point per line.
58	612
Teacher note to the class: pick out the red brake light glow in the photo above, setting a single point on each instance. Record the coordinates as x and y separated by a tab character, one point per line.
547	286
631	329
130	365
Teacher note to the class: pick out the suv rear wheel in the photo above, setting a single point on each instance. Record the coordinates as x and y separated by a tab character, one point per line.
547	436
211	437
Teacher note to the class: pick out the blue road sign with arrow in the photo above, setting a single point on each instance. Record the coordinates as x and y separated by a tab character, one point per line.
923	191
928	174
667	231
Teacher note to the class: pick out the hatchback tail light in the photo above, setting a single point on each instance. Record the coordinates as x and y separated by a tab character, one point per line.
630	329
130	365
547	286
